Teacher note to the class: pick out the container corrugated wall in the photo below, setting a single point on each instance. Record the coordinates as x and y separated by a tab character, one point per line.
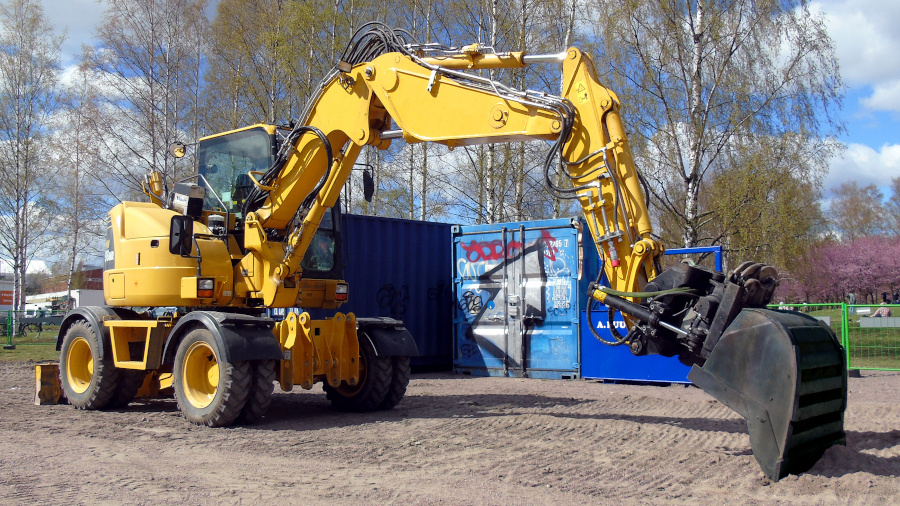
519	289
398	268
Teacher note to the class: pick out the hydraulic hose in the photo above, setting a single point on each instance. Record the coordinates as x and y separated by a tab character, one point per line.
618	339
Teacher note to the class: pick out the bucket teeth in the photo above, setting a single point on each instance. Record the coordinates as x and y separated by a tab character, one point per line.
785	373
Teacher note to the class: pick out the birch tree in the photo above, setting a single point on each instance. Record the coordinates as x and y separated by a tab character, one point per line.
28	77
700	78
857	211
147	64
82	205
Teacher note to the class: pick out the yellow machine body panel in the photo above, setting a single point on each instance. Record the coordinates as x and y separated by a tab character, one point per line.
141	271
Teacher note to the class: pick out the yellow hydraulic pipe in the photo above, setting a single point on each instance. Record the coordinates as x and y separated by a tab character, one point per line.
479	61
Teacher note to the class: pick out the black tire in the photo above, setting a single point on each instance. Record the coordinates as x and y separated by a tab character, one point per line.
198	363
130	382
88	383
262	385
374	381
399	382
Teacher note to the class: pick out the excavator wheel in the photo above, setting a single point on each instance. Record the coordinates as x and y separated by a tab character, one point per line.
261	387
88	383
209	391
399	381
375	375
785	373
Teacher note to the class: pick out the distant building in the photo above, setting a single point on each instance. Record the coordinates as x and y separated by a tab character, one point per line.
91	278
58	300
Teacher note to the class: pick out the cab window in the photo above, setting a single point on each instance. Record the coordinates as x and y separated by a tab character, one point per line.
226	160
319	257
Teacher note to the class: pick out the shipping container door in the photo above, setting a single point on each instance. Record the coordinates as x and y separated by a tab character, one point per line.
482	324
514	290
551	327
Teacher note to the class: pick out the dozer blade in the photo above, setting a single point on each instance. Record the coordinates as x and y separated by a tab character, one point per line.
785	373
47	389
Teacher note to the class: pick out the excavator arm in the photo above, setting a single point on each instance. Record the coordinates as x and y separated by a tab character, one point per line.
398	95
783	371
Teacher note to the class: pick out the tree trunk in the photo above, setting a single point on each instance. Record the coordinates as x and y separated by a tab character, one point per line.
412	182
492	195
570	26
519	167
692	181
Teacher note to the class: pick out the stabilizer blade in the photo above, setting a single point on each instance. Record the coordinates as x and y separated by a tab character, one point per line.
785	373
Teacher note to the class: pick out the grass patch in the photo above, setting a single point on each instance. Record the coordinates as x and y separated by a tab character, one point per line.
873	348
36	352
34	345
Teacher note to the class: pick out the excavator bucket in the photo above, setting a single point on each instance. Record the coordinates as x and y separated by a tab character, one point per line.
784	372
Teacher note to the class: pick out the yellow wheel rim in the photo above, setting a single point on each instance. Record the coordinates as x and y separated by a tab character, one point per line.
79	365
200	375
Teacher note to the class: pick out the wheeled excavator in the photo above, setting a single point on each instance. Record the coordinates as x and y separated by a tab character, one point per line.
189	274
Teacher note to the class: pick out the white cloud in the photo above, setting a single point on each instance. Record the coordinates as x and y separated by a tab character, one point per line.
866	39
885	97
865	165
78	19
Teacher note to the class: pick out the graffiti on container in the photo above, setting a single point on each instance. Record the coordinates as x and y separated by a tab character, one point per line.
474	270
393	299
441	294
561	293
469	350
480	251
470	303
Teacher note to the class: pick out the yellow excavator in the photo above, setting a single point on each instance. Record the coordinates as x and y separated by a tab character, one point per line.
189	274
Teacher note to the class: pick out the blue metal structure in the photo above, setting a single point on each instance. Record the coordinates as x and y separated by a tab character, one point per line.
715	250
518	289
616	362
398	268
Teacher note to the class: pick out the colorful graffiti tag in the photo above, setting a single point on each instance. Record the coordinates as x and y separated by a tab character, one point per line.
479	251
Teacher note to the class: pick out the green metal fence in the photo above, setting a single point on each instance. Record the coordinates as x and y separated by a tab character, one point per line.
871	343
30	327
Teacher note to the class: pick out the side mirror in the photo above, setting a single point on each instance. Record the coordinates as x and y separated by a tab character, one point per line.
177	149
368	186
181	236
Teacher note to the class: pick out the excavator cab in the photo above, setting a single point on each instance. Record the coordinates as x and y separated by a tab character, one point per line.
226	162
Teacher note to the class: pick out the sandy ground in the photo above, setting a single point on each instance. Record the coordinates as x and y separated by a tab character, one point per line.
452	440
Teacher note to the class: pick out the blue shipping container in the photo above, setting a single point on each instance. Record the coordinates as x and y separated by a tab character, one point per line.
616	362
519	289
398	268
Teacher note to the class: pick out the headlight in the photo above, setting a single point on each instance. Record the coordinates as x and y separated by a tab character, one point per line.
205	288
342	292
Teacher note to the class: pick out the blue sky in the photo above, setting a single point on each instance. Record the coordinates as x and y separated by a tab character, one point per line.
866	34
